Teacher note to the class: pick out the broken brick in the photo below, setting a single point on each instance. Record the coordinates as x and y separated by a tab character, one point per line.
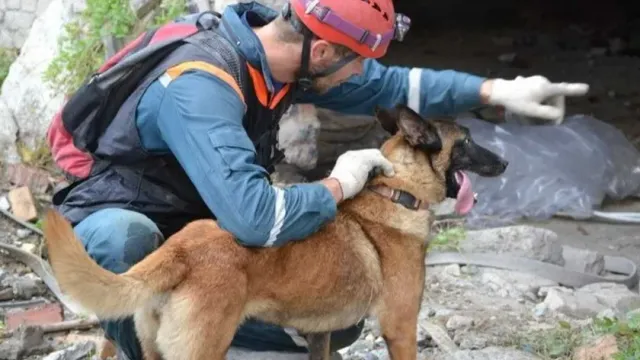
23	205
604	348
40	315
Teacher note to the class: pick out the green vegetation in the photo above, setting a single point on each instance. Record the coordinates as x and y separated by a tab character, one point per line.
7	57
81	48
561	342
626	332
447	235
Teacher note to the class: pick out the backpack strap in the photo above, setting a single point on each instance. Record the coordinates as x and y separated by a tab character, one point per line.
222	52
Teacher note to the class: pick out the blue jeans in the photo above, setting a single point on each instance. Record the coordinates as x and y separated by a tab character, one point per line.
117	239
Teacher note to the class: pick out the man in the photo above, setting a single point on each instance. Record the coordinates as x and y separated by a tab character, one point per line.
194	141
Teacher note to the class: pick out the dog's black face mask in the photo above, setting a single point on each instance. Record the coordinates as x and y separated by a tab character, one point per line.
447	144
466	155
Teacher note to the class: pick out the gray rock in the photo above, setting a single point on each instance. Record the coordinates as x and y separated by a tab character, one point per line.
453	270
18	20
243	354
578	305
607	313
458	322
10	349
470	341
42	6
372	326
78	351
521	240
363	345
514	284
4	203
23	233
615	296
583	260
29	340
28	286
27	103
13	4
143	7
490	353
29	6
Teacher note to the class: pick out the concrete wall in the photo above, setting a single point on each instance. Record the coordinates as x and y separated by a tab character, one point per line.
16	18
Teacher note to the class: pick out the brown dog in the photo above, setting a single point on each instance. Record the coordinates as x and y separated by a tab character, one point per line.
189	296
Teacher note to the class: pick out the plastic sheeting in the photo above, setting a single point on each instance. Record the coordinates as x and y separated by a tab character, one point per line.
569	168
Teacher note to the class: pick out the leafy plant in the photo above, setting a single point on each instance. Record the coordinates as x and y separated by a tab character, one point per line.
557	343
562	341
447	239
81	47
626	332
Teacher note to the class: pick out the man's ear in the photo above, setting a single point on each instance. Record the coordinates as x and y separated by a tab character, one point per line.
388	119
321	52
419	132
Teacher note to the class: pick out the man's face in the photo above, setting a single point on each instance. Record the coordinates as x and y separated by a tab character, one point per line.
323	56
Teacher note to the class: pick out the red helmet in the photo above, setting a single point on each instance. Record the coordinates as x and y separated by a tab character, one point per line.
364	26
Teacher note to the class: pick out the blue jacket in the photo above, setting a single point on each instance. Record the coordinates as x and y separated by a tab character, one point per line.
197	115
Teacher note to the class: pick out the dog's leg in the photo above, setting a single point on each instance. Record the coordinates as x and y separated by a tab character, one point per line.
200	319
319	346
147	325
398	314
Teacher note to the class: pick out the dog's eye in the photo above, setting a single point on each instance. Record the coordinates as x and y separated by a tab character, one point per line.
467	141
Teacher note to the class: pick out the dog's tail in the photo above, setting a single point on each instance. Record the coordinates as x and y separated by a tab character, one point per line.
108	295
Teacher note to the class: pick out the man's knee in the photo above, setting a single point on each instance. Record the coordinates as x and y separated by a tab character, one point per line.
117	239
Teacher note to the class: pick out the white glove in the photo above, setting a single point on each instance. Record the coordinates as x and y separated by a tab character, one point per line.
525	96
352	169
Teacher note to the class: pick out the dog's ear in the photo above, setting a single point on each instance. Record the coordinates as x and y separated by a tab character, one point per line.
388	119
419	132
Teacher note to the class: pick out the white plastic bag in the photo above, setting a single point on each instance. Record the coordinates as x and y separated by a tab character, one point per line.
568	168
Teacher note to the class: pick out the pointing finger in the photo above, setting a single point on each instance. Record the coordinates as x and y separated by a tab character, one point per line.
567	89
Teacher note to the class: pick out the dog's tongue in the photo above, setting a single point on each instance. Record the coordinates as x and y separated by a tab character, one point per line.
465	199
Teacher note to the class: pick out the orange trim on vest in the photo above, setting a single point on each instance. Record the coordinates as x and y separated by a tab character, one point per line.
260	88
177	70
276	99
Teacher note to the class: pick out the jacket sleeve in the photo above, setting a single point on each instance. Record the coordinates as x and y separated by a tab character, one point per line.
429	92
200	119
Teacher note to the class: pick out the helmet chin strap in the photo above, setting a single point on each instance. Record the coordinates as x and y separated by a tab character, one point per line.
305	77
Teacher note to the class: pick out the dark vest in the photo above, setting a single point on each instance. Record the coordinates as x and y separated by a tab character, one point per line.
156	185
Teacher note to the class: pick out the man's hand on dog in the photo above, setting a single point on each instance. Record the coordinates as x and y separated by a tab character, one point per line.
352	169
533	96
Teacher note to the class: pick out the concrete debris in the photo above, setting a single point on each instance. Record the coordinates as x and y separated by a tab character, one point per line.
74	352
520	240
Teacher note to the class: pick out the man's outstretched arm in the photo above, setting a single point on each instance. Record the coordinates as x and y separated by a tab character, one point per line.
430	92
445	92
